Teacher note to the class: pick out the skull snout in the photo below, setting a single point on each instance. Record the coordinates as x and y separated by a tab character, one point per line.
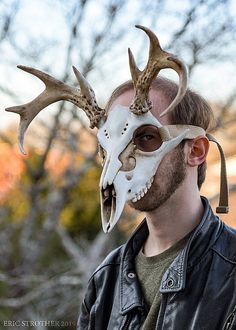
110	170
127	158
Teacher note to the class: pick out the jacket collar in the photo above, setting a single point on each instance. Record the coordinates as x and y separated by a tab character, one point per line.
174	279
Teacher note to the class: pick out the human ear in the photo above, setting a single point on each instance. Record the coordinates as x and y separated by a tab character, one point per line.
197	150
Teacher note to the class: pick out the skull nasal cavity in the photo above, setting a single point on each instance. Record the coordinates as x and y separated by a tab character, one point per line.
128	163
127	158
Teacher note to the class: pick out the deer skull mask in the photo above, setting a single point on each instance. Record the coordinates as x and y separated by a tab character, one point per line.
132	147
132	141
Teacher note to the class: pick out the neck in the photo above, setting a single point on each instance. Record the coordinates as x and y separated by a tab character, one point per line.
172	221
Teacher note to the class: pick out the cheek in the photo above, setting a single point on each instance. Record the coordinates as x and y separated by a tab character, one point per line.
163	171
167	161
170	163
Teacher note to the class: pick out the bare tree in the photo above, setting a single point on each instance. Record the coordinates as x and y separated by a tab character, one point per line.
45	266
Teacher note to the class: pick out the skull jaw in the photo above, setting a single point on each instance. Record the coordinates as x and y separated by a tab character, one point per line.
108	208
112	205
114	197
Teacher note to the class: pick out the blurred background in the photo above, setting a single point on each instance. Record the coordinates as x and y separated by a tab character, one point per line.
50	229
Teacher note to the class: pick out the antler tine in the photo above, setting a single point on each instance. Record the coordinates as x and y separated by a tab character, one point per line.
56	90
134	70
93	111
158	59
182	71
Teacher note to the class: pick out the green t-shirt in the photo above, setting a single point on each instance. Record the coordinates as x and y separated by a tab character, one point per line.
150	271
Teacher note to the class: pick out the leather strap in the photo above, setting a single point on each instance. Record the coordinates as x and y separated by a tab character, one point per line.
168	132
224	191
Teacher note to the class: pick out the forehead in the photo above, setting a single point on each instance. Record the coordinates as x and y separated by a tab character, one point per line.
159	103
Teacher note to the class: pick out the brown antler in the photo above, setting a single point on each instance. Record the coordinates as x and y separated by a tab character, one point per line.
55	91
158	59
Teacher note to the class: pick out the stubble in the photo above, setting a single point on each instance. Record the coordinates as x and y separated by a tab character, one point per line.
168	178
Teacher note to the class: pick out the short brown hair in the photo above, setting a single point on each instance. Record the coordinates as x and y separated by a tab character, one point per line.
192	110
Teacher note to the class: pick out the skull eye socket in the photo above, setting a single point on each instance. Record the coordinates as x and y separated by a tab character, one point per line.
147	138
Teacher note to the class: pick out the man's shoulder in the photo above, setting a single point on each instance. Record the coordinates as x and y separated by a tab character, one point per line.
113	259
225	245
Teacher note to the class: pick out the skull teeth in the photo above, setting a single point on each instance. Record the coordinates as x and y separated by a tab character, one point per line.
143	191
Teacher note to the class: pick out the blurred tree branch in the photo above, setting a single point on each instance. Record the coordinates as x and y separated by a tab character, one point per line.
45	263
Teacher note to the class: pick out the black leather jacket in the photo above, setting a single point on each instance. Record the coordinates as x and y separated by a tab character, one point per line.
198	289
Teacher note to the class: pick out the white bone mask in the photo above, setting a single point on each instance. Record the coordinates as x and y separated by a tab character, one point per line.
128	172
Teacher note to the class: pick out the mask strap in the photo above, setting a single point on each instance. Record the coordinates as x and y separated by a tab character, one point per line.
224	192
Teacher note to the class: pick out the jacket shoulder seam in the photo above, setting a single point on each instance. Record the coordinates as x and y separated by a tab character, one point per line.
107	263
224	257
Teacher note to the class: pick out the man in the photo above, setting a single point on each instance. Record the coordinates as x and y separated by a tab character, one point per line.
177	271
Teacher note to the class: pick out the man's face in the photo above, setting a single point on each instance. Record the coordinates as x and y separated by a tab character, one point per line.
172	170
133	147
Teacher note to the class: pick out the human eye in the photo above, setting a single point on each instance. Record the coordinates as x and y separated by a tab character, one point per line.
147	138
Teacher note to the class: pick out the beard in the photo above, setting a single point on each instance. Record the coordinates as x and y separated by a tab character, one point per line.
168	178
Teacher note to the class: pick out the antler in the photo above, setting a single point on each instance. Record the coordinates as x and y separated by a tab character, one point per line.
158	59
55	91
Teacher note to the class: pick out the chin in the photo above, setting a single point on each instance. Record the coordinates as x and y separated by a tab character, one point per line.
152	201
146	204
